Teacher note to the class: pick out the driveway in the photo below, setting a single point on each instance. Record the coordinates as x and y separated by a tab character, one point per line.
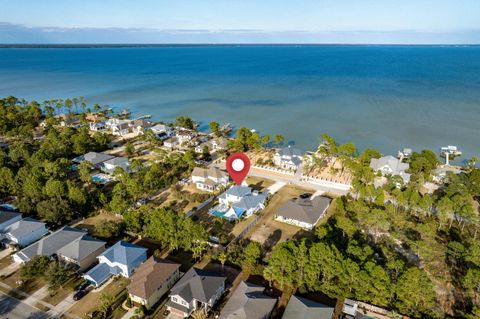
11	308
10	269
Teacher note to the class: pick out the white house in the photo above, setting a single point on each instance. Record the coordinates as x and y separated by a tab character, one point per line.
197	289
288	158
23	232
171	142
184	136
138	127
110	165
118	127
389	165
219	144
162	131
119	260
98	126
209	179
238	201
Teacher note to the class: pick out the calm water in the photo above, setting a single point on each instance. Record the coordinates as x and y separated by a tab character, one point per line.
375	96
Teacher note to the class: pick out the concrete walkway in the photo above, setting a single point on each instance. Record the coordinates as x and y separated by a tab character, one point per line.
275	187
129	313
63	306
10	269
5	253
295	179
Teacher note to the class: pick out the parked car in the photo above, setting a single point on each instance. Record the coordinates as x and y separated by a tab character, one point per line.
83	285
80	294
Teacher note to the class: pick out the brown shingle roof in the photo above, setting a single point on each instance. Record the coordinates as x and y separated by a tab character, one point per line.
150	275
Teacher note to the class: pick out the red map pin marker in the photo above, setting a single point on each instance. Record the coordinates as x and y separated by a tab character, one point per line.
238	166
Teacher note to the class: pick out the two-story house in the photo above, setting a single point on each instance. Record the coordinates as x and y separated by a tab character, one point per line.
238	201
197	289
119	260
209	179
162	131
152	280
389	165
23	232
288	158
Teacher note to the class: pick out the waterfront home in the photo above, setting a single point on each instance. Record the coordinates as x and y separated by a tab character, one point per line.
138	127
209	179
288	158
94	158
69	244
23	232
185	136
442	172
248	302
200	147
238	201
162	131
303	212
118	127
197	289
219	144
119	260
116	162
171	142
98	126
7	218
152	280
389	165
302	308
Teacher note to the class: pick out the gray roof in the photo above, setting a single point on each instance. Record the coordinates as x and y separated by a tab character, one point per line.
301	308
117	161
23	227
250	201
248	302
100	273
124	252
213	172
6	216
93	157
67	241
290	152
198	284
238	190
304	210
394	163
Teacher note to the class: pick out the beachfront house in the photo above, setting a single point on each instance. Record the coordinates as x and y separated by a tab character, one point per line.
138	127
184	136
162	131
440	174
303	212
118	127
23	232
389	165
152	280
119	260
171	142
114	163
219	144
199	148
209	179
98	126
197	289
248	302
94	158
7	218
299	307
288	158
69	244
238	201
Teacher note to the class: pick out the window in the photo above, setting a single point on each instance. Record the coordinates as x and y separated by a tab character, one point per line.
174	299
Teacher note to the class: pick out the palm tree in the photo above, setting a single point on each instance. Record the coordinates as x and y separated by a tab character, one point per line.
222	257
199	314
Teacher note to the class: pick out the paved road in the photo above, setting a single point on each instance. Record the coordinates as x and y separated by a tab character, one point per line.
289	179
11	308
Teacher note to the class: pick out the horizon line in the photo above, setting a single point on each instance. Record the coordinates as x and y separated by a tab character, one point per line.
99	44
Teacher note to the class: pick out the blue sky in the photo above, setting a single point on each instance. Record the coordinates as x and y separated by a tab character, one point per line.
352	21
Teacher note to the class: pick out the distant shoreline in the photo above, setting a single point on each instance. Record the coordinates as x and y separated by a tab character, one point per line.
166	45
